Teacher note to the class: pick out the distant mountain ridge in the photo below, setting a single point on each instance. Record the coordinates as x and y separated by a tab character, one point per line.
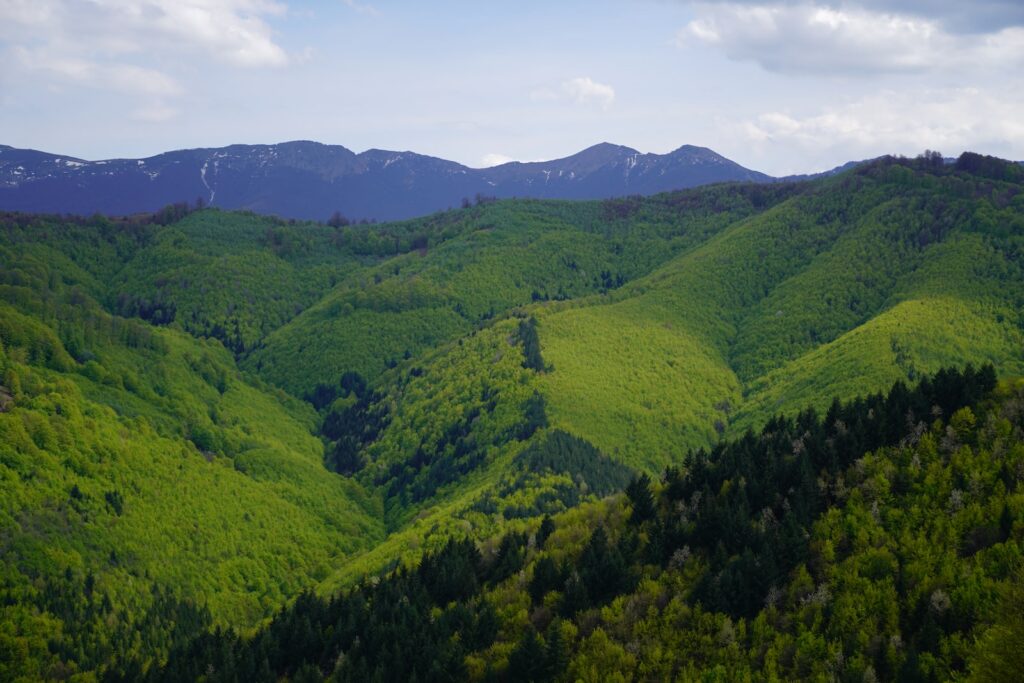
304	179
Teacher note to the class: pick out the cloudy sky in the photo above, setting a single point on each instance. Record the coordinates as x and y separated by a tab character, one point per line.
782	86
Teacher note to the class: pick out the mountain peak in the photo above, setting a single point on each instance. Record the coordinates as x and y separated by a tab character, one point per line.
693	150
608	147
309	179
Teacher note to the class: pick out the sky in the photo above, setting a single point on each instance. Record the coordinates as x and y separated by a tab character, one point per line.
780	86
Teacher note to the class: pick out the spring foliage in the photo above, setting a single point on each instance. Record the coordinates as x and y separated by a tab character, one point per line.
209	418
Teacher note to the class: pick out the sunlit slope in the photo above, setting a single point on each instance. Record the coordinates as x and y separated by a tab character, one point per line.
867	279
640	387
466	450
135	459
962	303
506	254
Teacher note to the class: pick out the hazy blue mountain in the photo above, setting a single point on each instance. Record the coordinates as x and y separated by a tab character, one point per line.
311	180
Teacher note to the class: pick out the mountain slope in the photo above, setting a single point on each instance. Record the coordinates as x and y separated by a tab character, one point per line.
142	471
875	277
486	261
871	277
836	547
466	374
311	181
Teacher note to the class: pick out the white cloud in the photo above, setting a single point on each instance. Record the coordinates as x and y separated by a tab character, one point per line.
587	91
956	16
233	31
125	78
816	38
116	45
583	90
907	122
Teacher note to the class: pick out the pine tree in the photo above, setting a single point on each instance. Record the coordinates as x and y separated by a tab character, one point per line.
547	527
526	663
531	345
546	578
556	656
534	416
574	598
641	499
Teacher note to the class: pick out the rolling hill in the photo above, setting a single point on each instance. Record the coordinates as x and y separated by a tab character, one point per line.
209	415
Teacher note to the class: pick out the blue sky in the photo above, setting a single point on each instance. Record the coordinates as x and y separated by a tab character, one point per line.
782	86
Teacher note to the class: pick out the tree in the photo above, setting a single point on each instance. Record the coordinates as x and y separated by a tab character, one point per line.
546	578
574	598
931	159
353	382
345	457
337	220
509	559
534	416
999	656
531	345
526	663
547	527
641	499
602	568
556	656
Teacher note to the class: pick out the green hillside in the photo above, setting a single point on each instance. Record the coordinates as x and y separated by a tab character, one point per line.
206	414
141	469
872	542
664	364
505	254
874	276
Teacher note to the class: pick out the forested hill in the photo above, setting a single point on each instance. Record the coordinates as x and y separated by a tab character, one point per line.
205	415
881	540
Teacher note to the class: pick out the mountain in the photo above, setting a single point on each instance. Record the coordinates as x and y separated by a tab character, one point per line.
240	447
607	170
309	180
855	558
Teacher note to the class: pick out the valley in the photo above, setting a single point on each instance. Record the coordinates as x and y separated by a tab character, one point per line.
239	447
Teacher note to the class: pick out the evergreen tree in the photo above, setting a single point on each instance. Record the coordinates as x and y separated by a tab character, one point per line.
527	661
534	416
546	578
574	597
556	655
547	527
640	499
531	345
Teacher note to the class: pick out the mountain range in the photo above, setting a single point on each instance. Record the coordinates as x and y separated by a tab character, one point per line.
309	180
748	431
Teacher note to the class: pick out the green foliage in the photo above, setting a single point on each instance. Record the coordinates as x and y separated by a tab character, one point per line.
860	280
493	258
999	656
150	490
531	345
235	277
640	499
473	371
902	555
562	453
